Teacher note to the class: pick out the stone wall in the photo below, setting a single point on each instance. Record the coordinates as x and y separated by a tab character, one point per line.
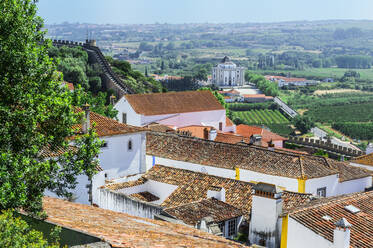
329	147
110	79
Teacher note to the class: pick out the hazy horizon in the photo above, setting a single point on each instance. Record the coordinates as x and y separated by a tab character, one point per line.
202	11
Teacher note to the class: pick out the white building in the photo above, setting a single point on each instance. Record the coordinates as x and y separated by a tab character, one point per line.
123	153
174	109
292	171
326	224
228	73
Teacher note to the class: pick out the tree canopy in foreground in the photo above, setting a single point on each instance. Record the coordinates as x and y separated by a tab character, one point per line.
36	113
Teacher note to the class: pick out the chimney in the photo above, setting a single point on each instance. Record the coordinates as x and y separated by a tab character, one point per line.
217	193
271	146
341	237
266	208
112	100
256	139
86	121
212	134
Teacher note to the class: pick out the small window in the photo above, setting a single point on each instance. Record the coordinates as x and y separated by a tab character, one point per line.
130	145
321	192
222	227
124	118
220	126
104	145
232	227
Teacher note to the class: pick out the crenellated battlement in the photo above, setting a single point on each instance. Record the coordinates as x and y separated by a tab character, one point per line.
327	146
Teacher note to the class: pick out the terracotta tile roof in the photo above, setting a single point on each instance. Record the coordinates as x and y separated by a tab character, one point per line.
228	122
365	160
159	128
231	138
195	130
47	152
229	156
108	127
173	102
257	96
346	171
123	230
145	196
193	186
286	79
192	213
291	200
362	222
267	136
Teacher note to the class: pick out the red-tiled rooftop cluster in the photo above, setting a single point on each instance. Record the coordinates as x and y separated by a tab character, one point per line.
262	160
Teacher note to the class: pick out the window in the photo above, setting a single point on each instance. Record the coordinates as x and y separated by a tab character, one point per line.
104	145
124	118
220	126
222	227
129	145
321	192
232	227
262	242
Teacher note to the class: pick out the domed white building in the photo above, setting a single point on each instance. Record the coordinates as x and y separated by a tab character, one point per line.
227	73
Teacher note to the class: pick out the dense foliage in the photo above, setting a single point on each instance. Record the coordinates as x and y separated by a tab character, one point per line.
267	87
134	79
36	114
355	130
16	233
303	123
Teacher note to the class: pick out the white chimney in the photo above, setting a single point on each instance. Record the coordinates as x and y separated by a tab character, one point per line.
217	193
212	134
86	121
266	207
341	237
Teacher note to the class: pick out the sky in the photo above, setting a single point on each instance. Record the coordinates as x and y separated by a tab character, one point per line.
200	11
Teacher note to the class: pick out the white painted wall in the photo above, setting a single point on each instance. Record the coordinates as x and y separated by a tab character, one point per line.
117	161
122	203
352	186
123	106
330	182
300	236
159	189
333	187
263	223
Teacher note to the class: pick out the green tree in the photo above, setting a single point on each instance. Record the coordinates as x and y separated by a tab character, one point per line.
36	115
303	123
16	233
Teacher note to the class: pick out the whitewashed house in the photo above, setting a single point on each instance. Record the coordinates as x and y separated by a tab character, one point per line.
292	171
215	204
317	222
123	153
174	109
338	222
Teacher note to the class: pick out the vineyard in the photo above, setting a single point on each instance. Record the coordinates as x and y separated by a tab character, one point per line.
356	112
261	116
